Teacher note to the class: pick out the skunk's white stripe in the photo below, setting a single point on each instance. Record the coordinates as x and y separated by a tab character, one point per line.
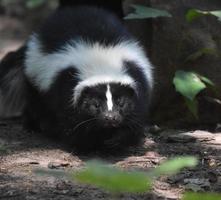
109	99
95	80
92	61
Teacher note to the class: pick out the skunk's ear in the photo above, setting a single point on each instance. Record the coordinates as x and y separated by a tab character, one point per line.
12	84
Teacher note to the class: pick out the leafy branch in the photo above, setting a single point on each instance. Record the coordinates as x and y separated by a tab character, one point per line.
144	12
193	14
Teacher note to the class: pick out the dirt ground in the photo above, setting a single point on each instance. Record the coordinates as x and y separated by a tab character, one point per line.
22	152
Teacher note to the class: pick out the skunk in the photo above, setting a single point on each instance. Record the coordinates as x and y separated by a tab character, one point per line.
83	77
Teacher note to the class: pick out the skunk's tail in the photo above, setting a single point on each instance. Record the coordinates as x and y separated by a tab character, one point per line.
12	84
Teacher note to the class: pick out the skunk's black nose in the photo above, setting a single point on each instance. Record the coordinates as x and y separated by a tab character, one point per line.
112	118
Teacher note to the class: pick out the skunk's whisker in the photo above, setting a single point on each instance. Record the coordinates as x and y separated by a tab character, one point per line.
135	122
82	123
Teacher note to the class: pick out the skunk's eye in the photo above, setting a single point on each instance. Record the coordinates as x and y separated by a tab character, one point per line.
96	104
85	103
121	102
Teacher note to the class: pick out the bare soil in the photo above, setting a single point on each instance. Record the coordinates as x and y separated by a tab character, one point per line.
22	152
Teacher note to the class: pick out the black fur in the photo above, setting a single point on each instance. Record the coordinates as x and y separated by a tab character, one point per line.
12	83
82	22
143	87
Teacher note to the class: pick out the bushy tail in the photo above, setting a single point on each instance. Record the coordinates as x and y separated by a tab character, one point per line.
12	84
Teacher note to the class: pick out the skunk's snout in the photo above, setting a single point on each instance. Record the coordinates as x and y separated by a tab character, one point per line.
112	119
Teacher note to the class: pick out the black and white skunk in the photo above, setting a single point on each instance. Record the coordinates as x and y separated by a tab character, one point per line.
81	76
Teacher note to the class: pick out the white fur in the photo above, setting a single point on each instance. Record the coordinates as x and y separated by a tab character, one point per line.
109	99
95	63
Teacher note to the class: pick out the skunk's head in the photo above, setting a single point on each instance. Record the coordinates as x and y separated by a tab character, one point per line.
111	105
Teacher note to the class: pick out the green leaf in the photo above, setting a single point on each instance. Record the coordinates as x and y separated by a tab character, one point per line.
143	12
188	84
175	165
192	14
192	106
206	81
201	196
113	179
34	3
216	13
211	85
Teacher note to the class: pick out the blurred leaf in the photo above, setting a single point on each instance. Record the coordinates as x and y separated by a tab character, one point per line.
201	196
192	14
117	181
113	179
192	106
188	84
143	12
204	51
210	85
206	80
34	3
175	165
216	13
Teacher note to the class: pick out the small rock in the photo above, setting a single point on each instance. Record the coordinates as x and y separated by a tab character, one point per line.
58	165
34	163
180	138
197	184
63	192
152	154
212	176
212	162
154	129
